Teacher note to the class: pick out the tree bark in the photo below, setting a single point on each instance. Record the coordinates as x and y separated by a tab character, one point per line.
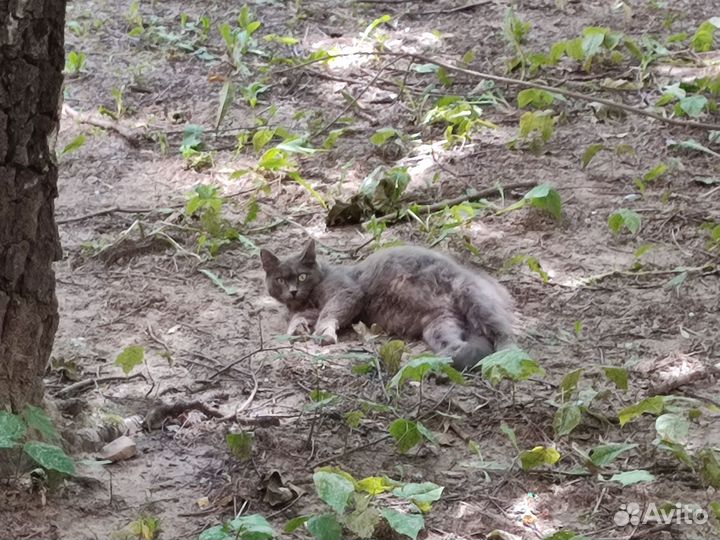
32	58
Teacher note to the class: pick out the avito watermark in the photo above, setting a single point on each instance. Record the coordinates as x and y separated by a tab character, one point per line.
667	514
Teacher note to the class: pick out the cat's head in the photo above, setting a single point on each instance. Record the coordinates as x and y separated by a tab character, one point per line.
291	280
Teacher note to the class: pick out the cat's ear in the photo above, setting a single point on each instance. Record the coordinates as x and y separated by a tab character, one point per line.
308	254
269	261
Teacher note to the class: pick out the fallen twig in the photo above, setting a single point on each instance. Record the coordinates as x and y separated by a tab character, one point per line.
469	197
132	137
708	268
120	210
516	82
104	213
86	383
568	93
469	5
245	357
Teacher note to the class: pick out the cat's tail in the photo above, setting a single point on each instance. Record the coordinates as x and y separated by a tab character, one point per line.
488	311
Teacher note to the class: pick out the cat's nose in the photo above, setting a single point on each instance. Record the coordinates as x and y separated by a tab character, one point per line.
293	293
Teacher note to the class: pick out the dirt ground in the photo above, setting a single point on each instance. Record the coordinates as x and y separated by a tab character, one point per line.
153	294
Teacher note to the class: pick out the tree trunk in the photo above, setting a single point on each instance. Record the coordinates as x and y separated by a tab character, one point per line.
31	62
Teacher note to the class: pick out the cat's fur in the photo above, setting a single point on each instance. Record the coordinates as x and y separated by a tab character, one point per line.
411	292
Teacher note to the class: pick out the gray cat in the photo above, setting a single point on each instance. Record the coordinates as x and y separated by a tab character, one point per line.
411	292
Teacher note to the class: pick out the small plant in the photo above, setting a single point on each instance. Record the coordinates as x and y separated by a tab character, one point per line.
359	506
461	117
512	363
515	32
536	129
252	527
205	204
19	434
544	197
704	38
531	262
75	62
624	219
192	148
144	528
239	40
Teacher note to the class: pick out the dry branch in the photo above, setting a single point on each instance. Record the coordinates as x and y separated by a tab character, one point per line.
87	383
131	136
470	197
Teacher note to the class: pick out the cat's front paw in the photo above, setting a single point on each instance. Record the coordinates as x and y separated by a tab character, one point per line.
326	333
299	326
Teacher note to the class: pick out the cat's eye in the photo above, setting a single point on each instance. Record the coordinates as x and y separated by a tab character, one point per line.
302	277
281	281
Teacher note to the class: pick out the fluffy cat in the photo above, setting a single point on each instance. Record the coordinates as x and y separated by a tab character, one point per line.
411	292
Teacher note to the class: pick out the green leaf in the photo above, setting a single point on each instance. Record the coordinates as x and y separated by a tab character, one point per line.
539	99
709	467
565	535
405	433
384	19
296	146
334	489
295	523
403	523
569	383
427	434
375	485
593	38
261	138
363	520
677	281
546	197
603	455
693	106
624	218
50	457
381	136
566	419
512	363
653	405
283	40
218	532
617	375
655	173
420	494
73	145
672	427
417	368
241	444
510	434
679	451
714	507
692	144
131	356
11	429
230	291
304	183
38	419
252	527
704	37
192	138
540	124
354	418
274	159
590	153
225	100
630	478
538	456
325	527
